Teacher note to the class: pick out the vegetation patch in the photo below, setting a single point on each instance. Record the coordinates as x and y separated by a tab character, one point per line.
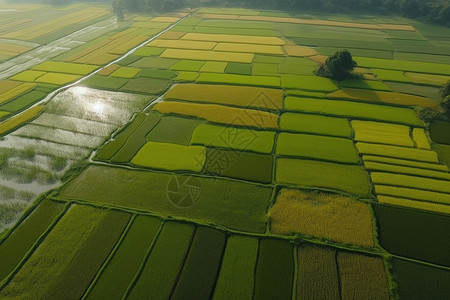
403	65
342	219
146	86
427	78
229	38
238	164
265	81
207	55
316	124
104	82
305	82
173	129
439	132
347	178
376	166
234	138
187	65
365	84
182	44
249	48
244	96
158	74
65	67
243	207
264	69
317	147
382	133
391	75
398	152
28	76
23	101
186	76
154	62
220	114
7	92
239	68
406	162
444	152
16	121
411	182
125	72
274	272
214	67
58	78
413	194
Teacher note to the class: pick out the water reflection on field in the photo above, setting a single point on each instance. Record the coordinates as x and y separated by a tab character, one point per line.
35	157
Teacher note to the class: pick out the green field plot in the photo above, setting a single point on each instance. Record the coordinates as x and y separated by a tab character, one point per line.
373	284
365	84
413	234
347	178
443	152
430	92
406	163
342	219
188	65
23	102
186	76
413	194
243	207
57	78
198	277
236	24
239	68
357	52
154	62
59	249
10	91
220	114
104	82
241	165
236	277
14	248
390	75
421	139
18	120
158	74
274	270
398	152
316	124
414	204
269	59
234	138
249	48
439	132
208	55
126	260
171	157
250	97
317	273
305	82
264	69
136	139
180	44
251	32
125	72
423	57
265	81
317	147
376	166
420	281
160	271
437	80
28	76
383	97
65	67
175	130
214	67
382	133
402	65
146	86
307	94
408	181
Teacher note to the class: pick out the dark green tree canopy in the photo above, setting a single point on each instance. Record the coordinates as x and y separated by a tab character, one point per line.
338	66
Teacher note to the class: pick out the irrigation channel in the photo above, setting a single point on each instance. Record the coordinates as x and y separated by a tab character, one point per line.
35	162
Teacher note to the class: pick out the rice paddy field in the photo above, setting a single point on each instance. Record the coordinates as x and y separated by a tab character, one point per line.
195	155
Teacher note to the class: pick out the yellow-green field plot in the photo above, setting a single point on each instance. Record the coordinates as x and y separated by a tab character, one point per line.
18	120
228	38
65	67
220	114
421	139
242	96
181	44
171	157
384	97
427	78
249	48
398	152
382	133
207	55
437	208
236	79
325	216
7	93
301	51
58	78
28	76
415	182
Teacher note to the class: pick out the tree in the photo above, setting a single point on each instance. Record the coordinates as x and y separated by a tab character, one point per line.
445	103
338	66
118	9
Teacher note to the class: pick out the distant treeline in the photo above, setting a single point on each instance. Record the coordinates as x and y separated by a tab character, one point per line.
434	11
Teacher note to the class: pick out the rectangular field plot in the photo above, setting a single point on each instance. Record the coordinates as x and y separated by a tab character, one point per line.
158	74
305	82
413	194
10	91
182	44
236	277
317	147
57	78
198	277
241	165
427	78
175	130
220	114
316	124
234	138
249	48
439	132
414	204
104	82
126	260
383	97
28	76
239	68
171	157
354	110
390	75
419	67
146	86
243	207
342	219
18	120
398	152
207	55
274	272
264	81
365	84
382	133
383	167
65	67
14	248
435	185
228	38
23	101
243	96
346	178
419	238
160	272
406	163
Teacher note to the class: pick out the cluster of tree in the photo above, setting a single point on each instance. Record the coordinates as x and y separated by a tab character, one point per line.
443	113
338	66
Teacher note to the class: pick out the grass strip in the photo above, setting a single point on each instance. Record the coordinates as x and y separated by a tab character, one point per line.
198	277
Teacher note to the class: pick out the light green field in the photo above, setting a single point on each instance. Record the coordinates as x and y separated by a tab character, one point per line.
398	152
64	67
317	124
305	82
382	133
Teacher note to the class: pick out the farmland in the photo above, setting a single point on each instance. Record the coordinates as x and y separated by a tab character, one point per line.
195	154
